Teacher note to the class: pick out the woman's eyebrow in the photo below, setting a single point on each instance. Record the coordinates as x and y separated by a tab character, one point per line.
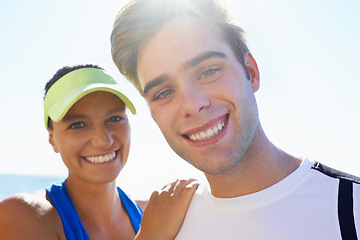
69	118
118	109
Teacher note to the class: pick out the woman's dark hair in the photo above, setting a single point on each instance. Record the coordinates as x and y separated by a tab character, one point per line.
62	72
65	70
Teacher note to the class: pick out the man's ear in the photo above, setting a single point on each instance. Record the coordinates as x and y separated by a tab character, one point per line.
52	142
253	71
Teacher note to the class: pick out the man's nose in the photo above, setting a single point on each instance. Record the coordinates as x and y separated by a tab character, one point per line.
193	99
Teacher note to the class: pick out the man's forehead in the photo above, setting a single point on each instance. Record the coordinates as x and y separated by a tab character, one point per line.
181	33
183	25
177	45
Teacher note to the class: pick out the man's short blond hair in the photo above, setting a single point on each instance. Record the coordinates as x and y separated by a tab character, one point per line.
140	19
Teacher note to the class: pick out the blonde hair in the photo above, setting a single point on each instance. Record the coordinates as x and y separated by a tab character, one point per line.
140	19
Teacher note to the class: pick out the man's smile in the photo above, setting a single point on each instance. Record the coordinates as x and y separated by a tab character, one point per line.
207	132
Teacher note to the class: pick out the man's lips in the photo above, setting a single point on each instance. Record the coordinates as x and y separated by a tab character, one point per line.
208	131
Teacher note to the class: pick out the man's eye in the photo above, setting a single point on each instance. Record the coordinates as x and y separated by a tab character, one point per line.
209	72
163	94
77	125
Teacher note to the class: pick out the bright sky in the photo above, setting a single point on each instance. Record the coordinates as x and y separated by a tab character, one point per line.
307	52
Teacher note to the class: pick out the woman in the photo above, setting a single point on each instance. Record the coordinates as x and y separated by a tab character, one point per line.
85	115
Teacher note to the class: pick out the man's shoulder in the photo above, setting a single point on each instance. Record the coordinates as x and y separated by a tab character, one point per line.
334	173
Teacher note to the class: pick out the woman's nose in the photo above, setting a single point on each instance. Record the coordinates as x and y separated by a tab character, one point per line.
102	137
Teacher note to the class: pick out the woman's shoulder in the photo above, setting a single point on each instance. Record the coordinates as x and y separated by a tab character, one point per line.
29	216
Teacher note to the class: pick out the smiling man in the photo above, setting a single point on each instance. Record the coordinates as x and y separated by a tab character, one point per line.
198	77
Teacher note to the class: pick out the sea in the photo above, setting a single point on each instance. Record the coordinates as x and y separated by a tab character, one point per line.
16	183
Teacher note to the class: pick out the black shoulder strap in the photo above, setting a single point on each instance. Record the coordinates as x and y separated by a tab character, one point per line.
346	211
345	199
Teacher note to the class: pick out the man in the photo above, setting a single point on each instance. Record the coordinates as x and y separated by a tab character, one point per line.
198	77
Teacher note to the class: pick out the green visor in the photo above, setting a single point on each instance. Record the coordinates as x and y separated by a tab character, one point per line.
66	91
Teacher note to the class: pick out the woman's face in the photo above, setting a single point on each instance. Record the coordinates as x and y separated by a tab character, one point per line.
93	138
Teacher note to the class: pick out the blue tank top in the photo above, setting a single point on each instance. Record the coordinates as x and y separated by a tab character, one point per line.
73	227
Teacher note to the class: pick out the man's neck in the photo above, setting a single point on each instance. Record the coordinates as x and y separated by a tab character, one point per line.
262	166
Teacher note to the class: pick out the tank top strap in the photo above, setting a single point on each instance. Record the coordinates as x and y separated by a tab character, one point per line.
132	209
73	228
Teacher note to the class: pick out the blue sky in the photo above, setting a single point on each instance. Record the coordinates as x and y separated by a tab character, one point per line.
307	52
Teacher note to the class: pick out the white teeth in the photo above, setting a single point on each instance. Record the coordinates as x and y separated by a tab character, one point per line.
193	137
101	159
203	135
216	130
208	133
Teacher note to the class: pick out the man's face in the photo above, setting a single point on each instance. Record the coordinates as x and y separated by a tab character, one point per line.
198	94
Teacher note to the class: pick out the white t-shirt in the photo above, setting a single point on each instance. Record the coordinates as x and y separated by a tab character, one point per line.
302	206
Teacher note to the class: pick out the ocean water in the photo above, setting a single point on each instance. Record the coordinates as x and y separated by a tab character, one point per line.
14	183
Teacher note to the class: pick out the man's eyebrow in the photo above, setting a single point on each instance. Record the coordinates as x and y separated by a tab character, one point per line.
202	57
189	64
154	83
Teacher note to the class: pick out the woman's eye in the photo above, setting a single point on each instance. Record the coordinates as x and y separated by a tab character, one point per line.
163	94
77	125
116	119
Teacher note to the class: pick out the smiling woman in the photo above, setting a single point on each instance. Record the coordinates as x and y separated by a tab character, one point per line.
86	118
95	130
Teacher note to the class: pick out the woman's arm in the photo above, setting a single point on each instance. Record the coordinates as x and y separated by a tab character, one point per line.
166	210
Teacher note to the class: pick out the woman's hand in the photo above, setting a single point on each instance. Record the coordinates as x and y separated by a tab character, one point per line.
166	210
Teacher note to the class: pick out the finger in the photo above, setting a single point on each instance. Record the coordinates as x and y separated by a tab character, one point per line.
185	187
189	191
154	196
169	188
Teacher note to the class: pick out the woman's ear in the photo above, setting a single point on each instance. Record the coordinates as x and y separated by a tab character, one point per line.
52	142
253	71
